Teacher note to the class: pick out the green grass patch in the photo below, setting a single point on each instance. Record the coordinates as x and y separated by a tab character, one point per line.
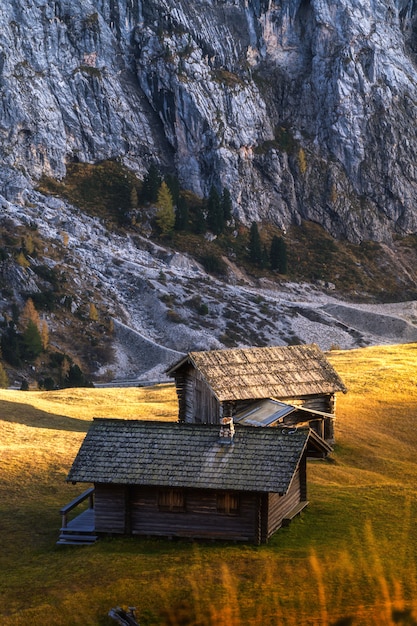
350	556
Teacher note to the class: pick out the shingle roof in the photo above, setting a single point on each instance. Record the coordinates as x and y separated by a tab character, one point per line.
251	373
188	455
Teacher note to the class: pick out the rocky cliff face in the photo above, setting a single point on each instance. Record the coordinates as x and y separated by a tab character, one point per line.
302	108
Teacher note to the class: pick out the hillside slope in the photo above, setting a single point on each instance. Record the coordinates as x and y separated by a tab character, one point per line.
152	304
355	542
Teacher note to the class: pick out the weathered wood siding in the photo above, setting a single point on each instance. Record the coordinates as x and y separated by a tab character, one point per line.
197	404
200	518
110	508
326	404
133	509
280	506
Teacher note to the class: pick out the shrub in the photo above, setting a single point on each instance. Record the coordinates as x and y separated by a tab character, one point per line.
213	264
203	309
174	317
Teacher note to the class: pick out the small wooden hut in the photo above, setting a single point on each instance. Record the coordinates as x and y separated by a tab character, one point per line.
218	383
192	480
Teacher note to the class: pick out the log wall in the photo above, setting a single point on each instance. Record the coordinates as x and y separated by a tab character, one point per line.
197	403
110	508
279	506
200	519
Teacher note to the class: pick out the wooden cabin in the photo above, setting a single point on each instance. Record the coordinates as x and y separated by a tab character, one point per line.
192	480
220	383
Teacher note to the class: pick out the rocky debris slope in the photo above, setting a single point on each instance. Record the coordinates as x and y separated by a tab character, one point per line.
163	303
302	108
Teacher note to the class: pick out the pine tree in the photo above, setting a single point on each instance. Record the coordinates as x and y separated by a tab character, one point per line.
174	187
215	217
199	226
32	342
226	202
255	246
11	345
278	255
265	257
151	185
165	217
181	215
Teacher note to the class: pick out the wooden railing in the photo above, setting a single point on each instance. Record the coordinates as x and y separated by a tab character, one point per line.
89	493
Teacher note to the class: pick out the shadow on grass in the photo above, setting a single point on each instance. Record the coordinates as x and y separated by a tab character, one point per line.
28	415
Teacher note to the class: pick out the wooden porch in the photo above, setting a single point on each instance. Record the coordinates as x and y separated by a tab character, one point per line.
79	531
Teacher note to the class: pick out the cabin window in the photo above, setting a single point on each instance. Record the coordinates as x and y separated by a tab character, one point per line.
228	503
171	500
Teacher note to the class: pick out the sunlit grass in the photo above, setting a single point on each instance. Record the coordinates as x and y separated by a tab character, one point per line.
349	559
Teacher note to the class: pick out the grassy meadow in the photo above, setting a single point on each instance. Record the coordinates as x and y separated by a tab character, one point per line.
349	559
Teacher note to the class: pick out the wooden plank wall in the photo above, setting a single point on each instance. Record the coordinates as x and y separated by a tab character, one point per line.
326	404
110	508
199	404
199	520
279	506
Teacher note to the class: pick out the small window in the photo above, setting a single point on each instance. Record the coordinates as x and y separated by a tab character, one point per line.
228	503
171	500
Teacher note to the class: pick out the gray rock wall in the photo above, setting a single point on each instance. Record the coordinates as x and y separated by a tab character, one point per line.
302	108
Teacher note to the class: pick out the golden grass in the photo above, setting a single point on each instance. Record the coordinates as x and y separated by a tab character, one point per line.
349	559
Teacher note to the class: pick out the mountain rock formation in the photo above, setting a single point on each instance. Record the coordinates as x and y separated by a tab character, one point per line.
302	108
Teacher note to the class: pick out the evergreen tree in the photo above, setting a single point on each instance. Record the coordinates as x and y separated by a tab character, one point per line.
265	257
151	185
181	215
255	246
174	187
76	378
199	225
165	217
15	313
215	217
32	341
226	202
278	255
11	345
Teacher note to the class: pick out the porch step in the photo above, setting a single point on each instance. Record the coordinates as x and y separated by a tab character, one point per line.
71	539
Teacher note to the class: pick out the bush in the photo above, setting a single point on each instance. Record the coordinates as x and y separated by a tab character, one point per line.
46	384
213	264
